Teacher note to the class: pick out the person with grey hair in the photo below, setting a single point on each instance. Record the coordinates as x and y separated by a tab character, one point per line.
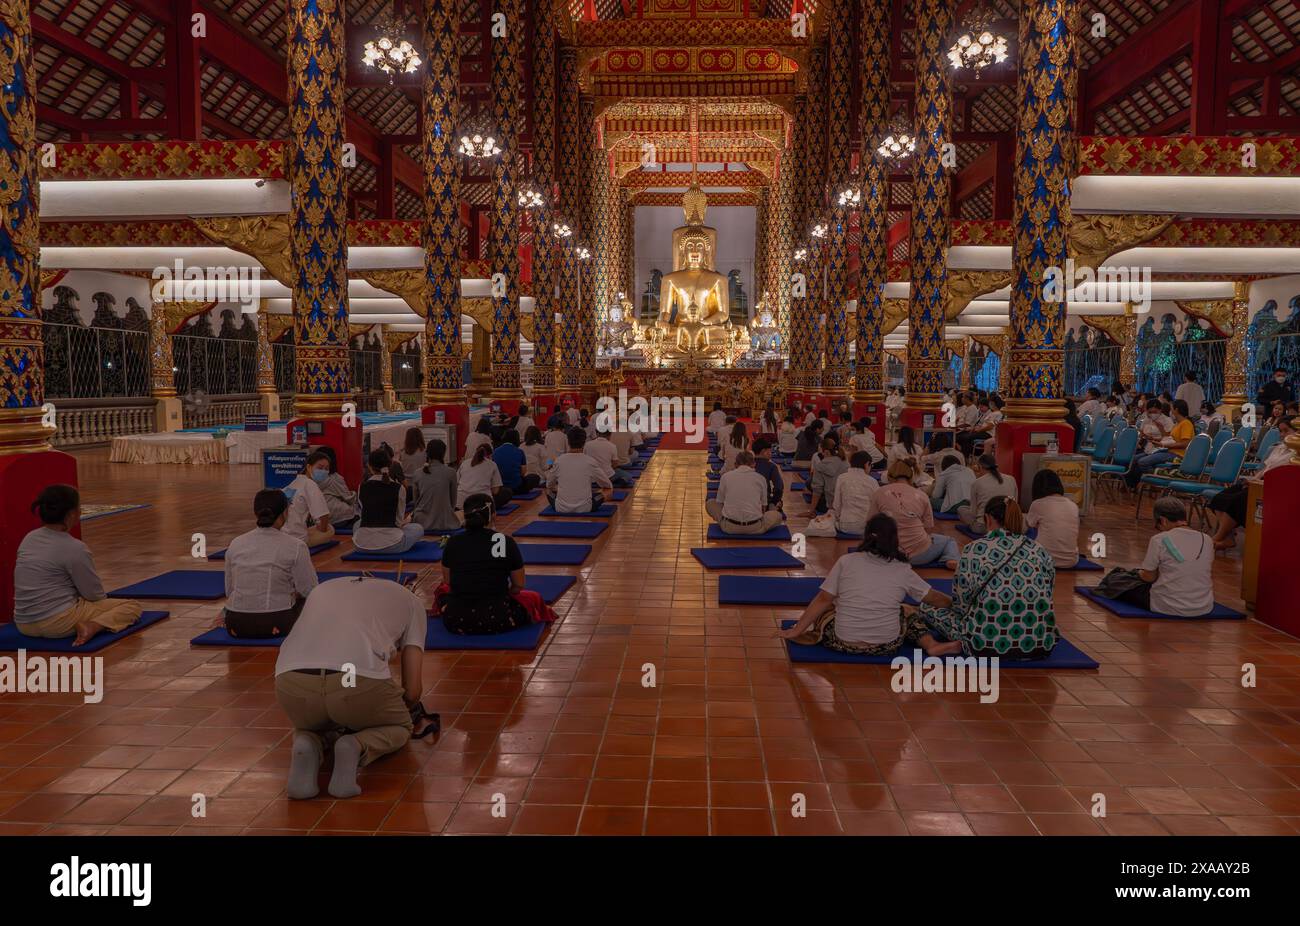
742	503
1177	567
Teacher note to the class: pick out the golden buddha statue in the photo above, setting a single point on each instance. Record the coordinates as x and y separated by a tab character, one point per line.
693	280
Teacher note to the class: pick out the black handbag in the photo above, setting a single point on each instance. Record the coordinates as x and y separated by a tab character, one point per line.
1119	582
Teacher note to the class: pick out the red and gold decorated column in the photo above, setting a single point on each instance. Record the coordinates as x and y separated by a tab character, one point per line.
797	345
786	239
318	216
444	369
931	216
569	174
1045	155
590	209
839	118
27	464
809	379
503	230
545	253
873	255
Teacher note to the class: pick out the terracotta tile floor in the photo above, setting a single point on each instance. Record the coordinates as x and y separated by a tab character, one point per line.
566	740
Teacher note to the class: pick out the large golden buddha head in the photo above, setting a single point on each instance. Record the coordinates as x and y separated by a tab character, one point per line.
694	244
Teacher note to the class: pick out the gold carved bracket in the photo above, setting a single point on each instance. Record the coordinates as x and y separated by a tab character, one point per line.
265	238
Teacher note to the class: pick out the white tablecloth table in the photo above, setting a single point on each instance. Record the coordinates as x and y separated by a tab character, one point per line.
167	448
247	446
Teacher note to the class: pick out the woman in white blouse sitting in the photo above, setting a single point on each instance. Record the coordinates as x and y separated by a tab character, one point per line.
268	573
479	474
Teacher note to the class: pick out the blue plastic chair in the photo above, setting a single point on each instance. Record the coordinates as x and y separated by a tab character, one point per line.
1226	469
1085	432
1190	467
1266	445
1105	443
1246	436
1217	440
1126	444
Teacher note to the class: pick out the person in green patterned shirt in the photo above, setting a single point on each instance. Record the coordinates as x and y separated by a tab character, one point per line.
1002	593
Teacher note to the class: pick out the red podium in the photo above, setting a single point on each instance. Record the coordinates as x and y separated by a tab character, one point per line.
346	442
1275	599
1016	439
22	476
876	412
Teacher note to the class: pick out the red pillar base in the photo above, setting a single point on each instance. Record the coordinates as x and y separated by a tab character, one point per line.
346	442
1275	597
544	405
456	413
22	477
924	421
876	412
1017	439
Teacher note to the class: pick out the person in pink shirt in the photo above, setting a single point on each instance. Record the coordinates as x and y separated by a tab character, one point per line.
911	510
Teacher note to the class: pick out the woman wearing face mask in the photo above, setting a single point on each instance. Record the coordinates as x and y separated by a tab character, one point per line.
308	517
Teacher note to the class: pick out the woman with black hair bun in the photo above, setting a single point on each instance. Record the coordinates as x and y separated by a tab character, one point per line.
57	592
434	485
383	525
859	608
483	581
268	573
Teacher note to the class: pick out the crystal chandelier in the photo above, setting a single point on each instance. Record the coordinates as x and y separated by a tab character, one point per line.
478	138
819	231
581	251
532	195
849	194
561	229
800	255
898	141
977	46
389	50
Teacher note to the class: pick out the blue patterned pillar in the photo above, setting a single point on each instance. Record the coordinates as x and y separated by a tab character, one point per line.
839	109
318	209
873	255
545	251
1045	153
931	218
809	379
22	374
568	124
440	232
503	232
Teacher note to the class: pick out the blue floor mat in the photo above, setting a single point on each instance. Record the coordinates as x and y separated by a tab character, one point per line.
347	531
619	495
11	640
559	528
526	638
1124	609
319	548
218	636
407	577
109	514
787	591
509	508
963	529
528	496
179	585
554	554
424	551
1065	655
550	587
604	511
946	516
746	558
1083	565
780	532
775	591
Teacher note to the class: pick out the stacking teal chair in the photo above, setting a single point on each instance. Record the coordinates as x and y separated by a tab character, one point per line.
1217	440
1226	470
1085	434
1266	445
1124	450
1101	450
1092	431
1189	468
1246	436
